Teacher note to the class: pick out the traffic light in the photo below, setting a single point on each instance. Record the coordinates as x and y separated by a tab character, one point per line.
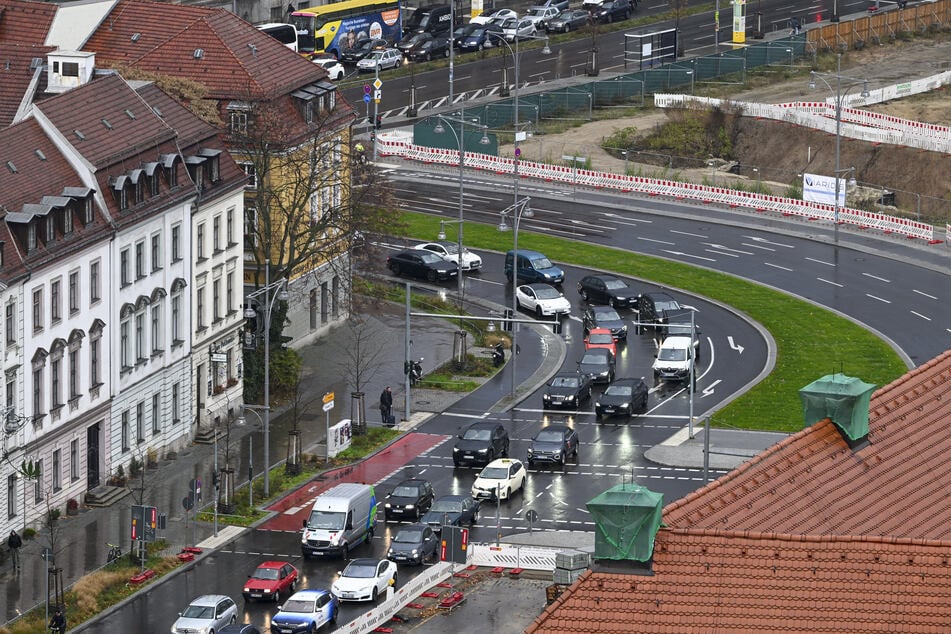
215	479
379	121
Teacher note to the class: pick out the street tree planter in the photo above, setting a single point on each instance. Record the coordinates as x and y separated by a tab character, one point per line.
226	502
293	466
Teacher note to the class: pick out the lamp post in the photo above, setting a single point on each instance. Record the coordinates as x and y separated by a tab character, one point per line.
270	296
839	92
253	409
518	209
461	141
216	477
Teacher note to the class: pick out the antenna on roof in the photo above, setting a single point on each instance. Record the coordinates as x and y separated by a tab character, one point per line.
254	49
106	123
11	167
199	53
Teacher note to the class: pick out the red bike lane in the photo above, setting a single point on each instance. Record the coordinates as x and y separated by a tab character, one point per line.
295	507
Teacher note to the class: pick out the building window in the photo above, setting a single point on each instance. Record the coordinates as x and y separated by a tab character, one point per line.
49	225
55	400
74	460
12	495
139	337
251	173
124	267
73	292
216	234
11	317
157	328
30	237
67	221
154	183
213	169
73	374
57	471
250	228
94	294
200	307
94	340
176	318
125	430
139	260
229	230
140	423
156	421
11	387
124	344
156	252
200	241
38	481
175	417
37	310
176	243
229	293
54	301
88	210
216	299
38	391
239	122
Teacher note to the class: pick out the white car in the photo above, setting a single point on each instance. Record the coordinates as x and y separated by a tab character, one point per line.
486	18
541	15
207	613
542	299
520	28
364	580
502	478
450	251
334	68
387	58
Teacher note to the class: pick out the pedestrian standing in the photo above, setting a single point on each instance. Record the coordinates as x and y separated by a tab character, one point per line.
15	542
386	407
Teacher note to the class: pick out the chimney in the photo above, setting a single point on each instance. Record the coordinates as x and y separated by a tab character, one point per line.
627	518
844	399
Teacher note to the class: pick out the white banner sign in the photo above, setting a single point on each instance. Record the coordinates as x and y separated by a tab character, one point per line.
821	189
339	437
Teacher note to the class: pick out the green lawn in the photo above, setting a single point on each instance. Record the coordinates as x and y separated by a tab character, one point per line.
811	342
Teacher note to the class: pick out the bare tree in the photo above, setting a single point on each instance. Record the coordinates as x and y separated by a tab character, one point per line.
364	350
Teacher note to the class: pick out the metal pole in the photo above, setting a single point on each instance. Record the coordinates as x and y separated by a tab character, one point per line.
462	145
691	385
452	49
407	366
706	450
214	430
267	376
376	109
327	431
515	215
838	141
498	515
251	470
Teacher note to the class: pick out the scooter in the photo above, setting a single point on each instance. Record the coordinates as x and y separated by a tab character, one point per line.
498	354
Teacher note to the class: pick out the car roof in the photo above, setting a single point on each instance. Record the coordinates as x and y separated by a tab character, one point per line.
603	309
483	424
365	561
677	341
539	285
308	594
208	599
502	462
412	481
601	352
272	564
451	498
603	276
566	374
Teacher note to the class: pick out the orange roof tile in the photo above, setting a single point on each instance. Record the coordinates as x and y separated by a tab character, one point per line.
25	22
16	74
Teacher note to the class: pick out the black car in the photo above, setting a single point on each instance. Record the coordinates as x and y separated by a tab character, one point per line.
604	317
567	389
239	628
410	499
411	41
613	11
555	443
623	397
568	20
480	443
462	32
598	365
677	324
362	48
413	544
606	289
652	309
452	510
422	264
436	46
486	36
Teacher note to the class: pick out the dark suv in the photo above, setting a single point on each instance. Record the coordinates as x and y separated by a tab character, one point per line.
613	11
555	443
606	289
652	309
480	443
410	499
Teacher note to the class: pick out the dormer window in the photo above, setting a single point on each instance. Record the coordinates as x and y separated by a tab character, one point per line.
212	164
152	177
50	231
31	237
196	169
170	170
87	210
120	192
139	191
68	220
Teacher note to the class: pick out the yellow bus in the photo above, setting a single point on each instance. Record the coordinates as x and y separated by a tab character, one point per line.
332	28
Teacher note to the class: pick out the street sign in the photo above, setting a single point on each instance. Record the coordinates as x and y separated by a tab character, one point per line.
328	406
329	397
377	95
366	89
377	83
531	516
219	357
366	98
195	489
188	502
454	544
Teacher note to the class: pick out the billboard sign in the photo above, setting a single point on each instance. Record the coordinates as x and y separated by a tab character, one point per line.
821	189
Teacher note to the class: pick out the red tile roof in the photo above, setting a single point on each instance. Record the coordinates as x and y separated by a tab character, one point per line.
25	22
16	75
41	170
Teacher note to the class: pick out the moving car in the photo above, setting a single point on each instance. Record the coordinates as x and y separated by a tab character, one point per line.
207	613
606	289
677	323
270	581
542	299
652	309
305	612
335	69
568	20
410	499
452	510
364	580
436	46
623	397
532	266
500	13
450	251
413	544
380	60
598	364
422	264
555	443
600	338
502	478
480	443
361	48
462	32
482	37
675	361
604	317
567	389
613	11
342	517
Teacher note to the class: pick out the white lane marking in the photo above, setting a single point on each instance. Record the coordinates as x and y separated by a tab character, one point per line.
875	277
821	262
830	282
686	233
884	301
657	241
765	241
757	246
734	346
920	315
689	255
708	391
776	266
726	248
923	293
731	255
633	220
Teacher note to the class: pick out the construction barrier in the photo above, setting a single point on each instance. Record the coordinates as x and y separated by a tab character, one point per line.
514	557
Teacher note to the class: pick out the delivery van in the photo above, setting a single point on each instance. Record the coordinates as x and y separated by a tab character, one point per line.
342	517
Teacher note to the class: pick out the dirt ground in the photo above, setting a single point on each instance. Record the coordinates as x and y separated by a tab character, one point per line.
780	152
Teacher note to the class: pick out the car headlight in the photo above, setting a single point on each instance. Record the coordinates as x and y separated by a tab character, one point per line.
389	553
415	552
410	507
531	451
624	328
455	450
546	397
484	450
597	403
267	591
571	398
387	505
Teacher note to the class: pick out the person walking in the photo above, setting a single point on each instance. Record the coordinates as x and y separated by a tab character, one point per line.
15	542
386	407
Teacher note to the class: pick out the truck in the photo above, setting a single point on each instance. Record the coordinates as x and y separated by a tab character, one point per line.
342	517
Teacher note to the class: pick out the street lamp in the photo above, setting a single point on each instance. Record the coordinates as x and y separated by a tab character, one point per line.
461	141
839	92
270	296
517	210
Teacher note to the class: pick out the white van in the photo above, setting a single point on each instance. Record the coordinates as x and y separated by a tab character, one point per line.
675	360
342	517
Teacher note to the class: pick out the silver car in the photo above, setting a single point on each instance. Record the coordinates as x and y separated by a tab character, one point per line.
387	58
207	613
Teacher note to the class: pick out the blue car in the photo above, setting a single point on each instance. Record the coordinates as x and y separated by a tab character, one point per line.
306	611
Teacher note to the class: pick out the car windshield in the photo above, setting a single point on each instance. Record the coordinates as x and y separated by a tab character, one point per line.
538	11
299	606
376	55
619	390
199	612
327	520
419	37
608	315
477	434
542	263
614	284
678	329
547	292
565	381
594	359
360	570
672	354
668	305
446	506
477	32
494	473
405	492
430	257
549	435
265	573
601	338
450	248
409	536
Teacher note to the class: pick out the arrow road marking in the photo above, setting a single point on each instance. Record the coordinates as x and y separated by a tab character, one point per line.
689	255
734	346
726	248
765	241
708	391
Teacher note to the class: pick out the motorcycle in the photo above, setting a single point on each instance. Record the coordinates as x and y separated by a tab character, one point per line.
498	354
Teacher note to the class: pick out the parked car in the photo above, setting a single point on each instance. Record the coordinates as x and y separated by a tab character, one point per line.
410	499
437	46
598	364
613	11
335	69
518	27
270	581
412	40
568	20
604	317
499	13
422	264
600	338
482	37
413	544
240	628
532	266
555	443
480	443
601	288
502	478
364	580
206	613
567	389
361	48
450	251
542	299
452	510
540	16
623	397
462	32
305	611
652	309
388	58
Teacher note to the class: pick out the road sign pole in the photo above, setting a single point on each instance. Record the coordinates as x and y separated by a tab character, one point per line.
376	111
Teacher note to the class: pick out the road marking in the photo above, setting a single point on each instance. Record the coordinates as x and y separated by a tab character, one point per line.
632	220
732	255
776	266
708	391
821	262
923	293
875	277
828	282
757	246
765	241
884	301
686	233
920	315
657	241
726	248
734	346
689	255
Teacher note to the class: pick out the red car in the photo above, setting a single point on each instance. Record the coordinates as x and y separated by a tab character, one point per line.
600	338
271	580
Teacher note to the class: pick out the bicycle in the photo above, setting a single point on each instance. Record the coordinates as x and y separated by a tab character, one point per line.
115	553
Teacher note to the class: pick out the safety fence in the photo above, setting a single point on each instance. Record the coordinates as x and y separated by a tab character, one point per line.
513	556
401	145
